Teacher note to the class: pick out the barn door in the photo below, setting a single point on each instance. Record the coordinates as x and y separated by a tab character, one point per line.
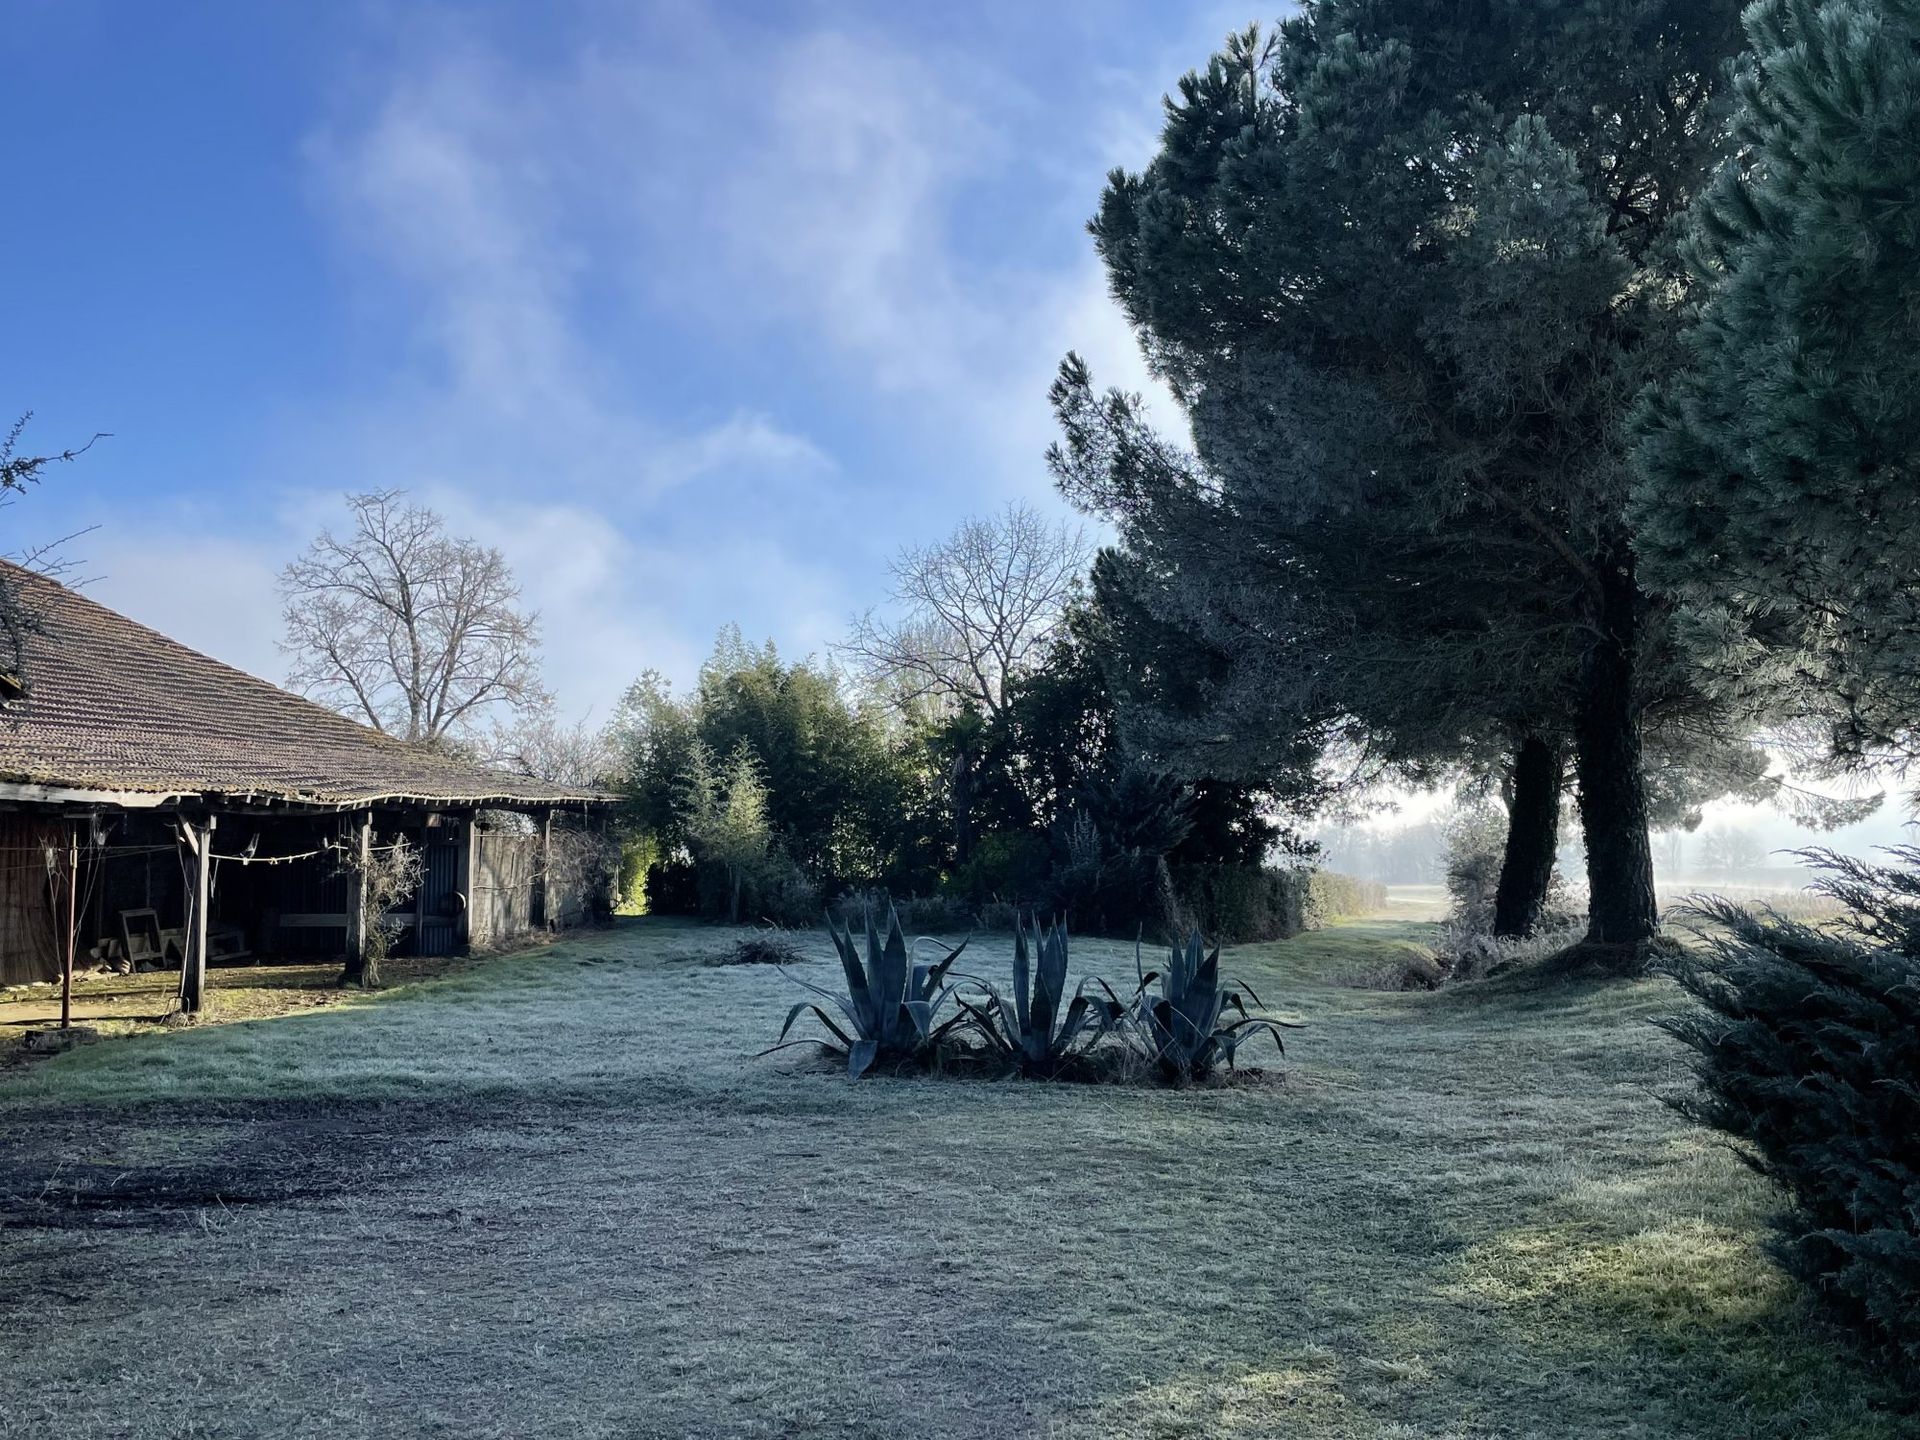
439	892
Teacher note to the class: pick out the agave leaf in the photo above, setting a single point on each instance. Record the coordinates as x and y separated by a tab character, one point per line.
888	964
1268	1020
1242	985
840	1002
1080	1013
1206	975
938	973
921	1014
961	1021
825	1047
1049	981
1022	976
807	1005
867	1016
859	1057
1009	1017
983	1021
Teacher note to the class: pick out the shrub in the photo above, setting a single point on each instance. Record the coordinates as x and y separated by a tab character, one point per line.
1808	1054
1331	895
388	874
1476	842
673	888
638	854
1184	1025
921	915
1033	1030
1004	867
997	915
1117	894
892	1006
1476	845
1239	904
781	893
1464	954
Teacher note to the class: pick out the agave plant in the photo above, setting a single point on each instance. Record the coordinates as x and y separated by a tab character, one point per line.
891	1010
1184	1026
1033	1031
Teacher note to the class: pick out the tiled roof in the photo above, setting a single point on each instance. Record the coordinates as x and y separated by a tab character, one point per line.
111	705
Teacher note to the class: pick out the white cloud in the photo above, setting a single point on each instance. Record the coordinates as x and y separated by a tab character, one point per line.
745	441
490	213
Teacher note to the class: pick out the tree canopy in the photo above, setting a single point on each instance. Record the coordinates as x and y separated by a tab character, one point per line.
1405	266
1778	491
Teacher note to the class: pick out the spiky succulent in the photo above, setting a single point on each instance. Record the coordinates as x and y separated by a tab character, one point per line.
1033	1030
891	1011
1184	1025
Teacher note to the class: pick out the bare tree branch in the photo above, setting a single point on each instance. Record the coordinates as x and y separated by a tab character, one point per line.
407	628
972	612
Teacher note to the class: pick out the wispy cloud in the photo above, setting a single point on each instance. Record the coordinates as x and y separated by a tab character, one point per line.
695	320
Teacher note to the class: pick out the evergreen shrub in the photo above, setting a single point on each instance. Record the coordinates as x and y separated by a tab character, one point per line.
1808	1054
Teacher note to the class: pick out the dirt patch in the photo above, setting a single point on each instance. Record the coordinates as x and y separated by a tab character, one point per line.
123	1171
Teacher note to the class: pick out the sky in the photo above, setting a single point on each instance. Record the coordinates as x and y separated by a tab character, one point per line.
697	311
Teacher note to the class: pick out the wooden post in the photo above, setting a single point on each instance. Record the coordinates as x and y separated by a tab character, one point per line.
73	928
361	847
546	870
193	963
463	871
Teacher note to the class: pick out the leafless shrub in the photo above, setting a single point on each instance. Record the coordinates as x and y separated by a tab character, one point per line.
388	874
763	947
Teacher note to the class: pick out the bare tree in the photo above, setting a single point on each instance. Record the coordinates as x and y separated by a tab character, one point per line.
18	619
401	625
538	743
973	611
1729	850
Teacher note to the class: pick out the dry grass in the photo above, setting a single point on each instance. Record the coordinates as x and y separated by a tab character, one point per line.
557	1195
143	1003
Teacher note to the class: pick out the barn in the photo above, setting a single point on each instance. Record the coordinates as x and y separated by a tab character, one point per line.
160	808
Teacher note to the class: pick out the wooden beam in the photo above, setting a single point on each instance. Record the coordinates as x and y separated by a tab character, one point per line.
21	791
193	963
546	871
463	883
361	842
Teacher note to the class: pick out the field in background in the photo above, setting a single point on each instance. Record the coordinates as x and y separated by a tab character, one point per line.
558	1193
1429	902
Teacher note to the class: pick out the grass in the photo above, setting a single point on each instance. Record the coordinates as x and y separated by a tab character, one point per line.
556	1193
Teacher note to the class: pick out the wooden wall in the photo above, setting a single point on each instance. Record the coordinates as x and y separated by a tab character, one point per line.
30	939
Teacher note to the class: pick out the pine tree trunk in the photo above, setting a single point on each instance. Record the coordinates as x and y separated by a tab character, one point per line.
1613	783
1533	837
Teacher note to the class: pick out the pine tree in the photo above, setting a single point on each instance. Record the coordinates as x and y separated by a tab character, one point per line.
1778	491
1405	264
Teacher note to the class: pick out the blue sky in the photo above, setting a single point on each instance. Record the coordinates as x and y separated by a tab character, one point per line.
697	311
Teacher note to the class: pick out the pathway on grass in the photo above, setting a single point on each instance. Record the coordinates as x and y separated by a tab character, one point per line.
558	1195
